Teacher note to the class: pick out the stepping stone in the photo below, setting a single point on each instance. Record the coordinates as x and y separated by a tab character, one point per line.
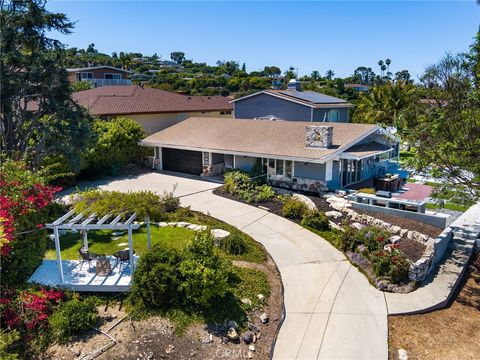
162	224
183	224
219	234
117	233
122	244
116	238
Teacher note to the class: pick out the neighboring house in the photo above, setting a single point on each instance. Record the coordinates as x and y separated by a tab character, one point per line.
292	104
154	109
100	76
357	87
296	155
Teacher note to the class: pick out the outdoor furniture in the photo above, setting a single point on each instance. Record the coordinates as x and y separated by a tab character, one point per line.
385	194
123	256
103	266
87	256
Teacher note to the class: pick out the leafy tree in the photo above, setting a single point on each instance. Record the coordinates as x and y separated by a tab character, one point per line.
448	133
178	57
272	71
365	75
116	145
39	119
91	48
403	76
329	74
81	85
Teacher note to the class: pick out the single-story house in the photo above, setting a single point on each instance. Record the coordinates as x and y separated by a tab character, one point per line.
297	155
358	87
292	104
154	109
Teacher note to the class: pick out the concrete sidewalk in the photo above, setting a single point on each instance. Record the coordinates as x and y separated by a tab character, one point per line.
332	312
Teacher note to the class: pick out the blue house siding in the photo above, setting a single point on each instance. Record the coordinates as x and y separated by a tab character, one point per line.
264	105
309	170
320	115
335	182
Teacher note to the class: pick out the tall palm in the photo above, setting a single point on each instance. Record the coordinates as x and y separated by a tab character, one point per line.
380	63
330	74
315	75
388	62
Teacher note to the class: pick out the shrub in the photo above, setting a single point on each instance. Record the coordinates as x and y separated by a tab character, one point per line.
204	273
316	220
73	317
393	264
373	238
264	193
367	191
156	280
348	240
294	209
116	145
8	339
235	181
169	202
234	244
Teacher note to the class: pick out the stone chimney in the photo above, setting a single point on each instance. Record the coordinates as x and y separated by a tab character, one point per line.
294	85
320	137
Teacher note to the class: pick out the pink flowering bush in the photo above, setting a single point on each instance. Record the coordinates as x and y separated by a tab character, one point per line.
25	206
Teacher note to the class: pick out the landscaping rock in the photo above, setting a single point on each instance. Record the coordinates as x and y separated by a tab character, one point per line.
264	318
162	224
250	355
172	224
253	327
117	233
232	334
183	224
402	354
122	244
333	214
306	200
219	234
248	337
395	229
395	239
251	348
403	232
247	302
357	226
170	348
261	297
232	324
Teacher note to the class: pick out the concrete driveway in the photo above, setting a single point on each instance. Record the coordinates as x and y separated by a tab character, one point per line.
332	312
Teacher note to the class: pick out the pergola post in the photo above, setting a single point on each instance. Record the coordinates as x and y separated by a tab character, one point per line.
85	239
59	255
149	243
130	249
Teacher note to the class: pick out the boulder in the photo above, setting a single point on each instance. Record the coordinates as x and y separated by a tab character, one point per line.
306	200
183	224
395	239
219	234
403	232
232	324
357	226
232	334
261	297
333	214
162	224
248	337
247	301
395	229
264	318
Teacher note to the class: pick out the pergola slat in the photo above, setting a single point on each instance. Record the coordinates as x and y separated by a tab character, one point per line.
76	218
61	219
103	219
88	220
116	220
130	219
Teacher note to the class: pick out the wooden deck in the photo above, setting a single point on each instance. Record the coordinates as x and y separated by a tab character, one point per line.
79	277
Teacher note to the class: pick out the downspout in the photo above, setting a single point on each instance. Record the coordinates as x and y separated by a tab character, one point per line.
311	114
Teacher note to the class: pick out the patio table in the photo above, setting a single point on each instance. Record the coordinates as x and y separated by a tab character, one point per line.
103	266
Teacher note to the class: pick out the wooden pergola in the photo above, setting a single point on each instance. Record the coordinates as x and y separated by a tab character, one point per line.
83	223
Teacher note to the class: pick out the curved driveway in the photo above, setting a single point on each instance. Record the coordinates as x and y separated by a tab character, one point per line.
332	312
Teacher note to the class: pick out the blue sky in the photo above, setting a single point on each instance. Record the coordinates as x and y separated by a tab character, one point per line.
313	35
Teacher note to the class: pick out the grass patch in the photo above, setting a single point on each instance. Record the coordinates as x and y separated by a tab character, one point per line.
329	235
449	206
101	241
248	283
410	180
431	183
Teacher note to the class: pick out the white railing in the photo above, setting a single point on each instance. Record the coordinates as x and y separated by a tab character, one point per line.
109	82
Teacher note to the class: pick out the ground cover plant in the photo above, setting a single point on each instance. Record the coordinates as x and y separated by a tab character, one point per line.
247	187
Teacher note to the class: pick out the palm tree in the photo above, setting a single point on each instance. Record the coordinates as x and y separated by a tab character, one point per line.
388	62
315	75
330	74
380	63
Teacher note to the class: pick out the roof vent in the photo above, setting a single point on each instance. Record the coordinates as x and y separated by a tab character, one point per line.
294	85
320	137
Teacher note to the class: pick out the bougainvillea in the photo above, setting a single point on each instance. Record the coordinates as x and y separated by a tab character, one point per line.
22	193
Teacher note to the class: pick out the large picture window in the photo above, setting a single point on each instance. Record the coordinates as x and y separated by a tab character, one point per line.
333	116
351	171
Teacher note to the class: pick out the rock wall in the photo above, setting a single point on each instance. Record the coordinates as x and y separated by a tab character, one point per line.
213	170
319	136
301	184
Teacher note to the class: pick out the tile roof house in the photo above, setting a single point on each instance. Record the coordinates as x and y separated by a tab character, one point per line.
294	154
292	104
154	109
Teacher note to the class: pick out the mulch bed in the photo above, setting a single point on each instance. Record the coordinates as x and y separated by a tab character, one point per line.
412	249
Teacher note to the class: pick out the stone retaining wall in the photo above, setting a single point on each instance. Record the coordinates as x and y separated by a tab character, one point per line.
301	184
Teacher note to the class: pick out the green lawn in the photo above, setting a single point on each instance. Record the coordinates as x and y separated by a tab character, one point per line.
449	206
102	241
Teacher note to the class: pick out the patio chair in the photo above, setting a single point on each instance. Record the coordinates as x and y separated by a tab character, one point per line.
87	256
123	257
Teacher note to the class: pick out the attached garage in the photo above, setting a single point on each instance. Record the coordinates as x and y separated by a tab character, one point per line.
184	161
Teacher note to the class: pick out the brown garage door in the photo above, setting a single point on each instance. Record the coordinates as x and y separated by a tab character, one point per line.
184	161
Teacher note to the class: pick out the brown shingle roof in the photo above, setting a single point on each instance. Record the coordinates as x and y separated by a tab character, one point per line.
255	137
118	100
